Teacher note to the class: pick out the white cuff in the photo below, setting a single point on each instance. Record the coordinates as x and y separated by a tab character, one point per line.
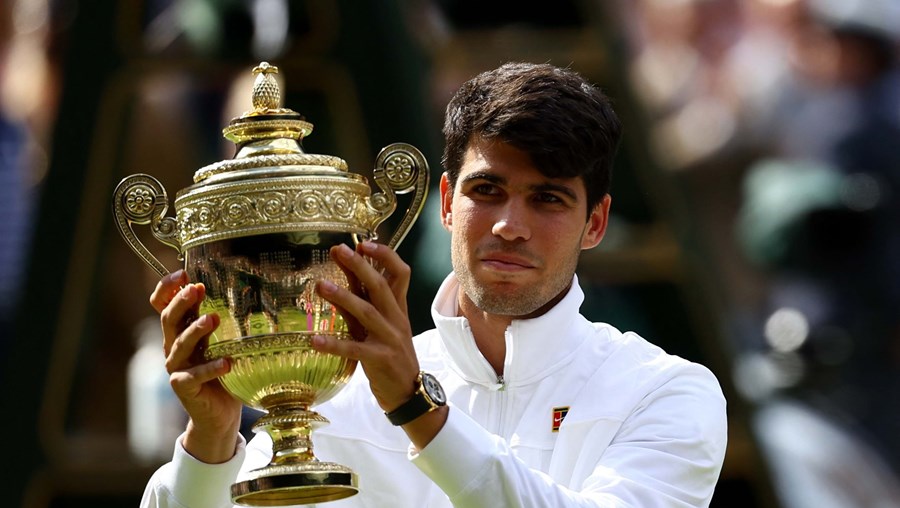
458	455
196	483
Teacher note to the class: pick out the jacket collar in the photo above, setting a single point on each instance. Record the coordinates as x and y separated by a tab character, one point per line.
534	347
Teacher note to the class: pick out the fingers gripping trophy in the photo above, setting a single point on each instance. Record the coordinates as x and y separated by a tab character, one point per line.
256	231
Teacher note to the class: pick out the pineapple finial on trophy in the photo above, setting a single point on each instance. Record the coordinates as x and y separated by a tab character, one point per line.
266	94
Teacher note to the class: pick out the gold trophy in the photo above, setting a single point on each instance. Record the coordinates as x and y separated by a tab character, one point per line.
256	231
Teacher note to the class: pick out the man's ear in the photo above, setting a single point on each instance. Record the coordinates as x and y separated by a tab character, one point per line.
446	202
596	224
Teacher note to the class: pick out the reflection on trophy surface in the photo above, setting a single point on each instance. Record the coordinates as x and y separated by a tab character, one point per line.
256	231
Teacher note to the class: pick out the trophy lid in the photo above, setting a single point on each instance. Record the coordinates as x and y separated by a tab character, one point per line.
269	135
272	187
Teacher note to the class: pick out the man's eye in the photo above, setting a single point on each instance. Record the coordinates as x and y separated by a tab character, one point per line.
546	197
485	188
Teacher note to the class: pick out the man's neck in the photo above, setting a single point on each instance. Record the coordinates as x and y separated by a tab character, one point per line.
489	331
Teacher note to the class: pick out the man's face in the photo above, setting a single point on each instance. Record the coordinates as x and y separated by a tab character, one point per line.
515	234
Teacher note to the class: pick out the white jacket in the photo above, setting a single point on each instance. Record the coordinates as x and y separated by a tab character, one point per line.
643	428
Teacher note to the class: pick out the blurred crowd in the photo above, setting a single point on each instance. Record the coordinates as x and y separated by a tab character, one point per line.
780	120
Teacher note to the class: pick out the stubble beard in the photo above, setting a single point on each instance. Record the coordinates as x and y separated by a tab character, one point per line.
515	301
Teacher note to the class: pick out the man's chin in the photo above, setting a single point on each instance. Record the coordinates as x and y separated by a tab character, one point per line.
505	303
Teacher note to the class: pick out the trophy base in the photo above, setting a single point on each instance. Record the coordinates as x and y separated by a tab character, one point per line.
330	483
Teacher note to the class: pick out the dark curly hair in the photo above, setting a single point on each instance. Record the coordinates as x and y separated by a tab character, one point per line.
566	125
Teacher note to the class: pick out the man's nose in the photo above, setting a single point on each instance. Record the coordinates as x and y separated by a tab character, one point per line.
512	224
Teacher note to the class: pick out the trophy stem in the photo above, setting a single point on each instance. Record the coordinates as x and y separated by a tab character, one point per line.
294	475
290	428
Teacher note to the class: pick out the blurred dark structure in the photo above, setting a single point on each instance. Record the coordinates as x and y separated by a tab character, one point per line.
146	86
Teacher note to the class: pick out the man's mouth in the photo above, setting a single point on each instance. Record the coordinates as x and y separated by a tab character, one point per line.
507	262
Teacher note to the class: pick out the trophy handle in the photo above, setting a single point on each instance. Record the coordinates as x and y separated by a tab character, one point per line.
141	199
400	168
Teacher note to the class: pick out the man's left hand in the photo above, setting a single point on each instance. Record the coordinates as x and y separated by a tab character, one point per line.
376	311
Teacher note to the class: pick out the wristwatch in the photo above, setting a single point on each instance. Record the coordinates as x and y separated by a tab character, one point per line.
428	396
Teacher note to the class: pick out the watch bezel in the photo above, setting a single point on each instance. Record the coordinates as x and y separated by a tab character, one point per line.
429	395
433	389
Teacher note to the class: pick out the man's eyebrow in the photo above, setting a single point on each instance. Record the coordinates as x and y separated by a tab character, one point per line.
542	187
483	175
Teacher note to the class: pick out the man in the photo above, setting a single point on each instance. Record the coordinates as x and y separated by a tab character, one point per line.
544	408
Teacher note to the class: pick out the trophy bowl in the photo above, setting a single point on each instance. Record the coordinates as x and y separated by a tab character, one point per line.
256	230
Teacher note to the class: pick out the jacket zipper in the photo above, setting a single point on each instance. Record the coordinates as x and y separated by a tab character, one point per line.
502	395
501	404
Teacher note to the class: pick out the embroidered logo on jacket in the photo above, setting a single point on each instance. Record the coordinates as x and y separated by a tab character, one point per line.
559	414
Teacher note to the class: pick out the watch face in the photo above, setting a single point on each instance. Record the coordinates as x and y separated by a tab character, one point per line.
434	389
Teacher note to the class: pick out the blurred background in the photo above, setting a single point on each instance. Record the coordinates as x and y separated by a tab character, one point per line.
755	224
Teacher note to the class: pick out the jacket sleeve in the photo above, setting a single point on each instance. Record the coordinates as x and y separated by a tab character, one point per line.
667	453
185	482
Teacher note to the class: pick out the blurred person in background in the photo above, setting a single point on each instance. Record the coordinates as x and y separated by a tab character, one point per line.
27	106
781	119
821	216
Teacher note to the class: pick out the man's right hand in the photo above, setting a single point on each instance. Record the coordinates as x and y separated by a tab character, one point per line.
215	415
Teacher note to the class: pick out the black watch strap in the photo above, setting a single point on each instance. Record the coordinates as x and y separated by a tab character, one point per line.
428	397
